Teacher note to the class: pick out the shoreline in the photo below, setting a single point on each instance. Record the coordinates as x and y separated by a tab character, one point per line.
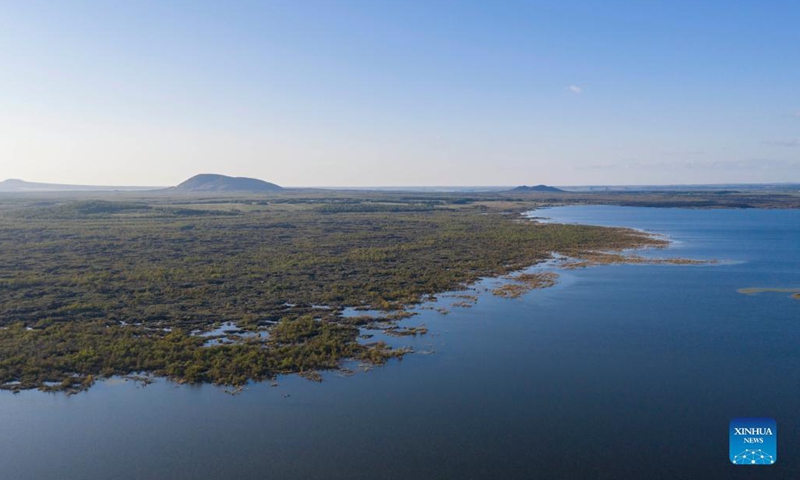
351	331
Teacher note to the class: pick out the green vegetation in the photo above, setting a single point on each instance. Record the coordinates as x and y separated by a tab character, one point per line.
396	331
69	355
593	259
97	287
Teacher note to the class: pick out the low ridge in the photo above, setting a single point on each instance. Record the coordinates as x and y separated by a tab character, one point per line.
209	182
537	188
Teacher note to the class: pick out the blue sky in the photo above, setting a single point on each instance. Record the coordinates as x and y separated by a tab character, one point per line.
357	93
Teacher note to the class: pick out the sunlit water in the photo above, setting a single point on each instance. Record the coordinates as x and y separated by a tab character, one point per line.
617	372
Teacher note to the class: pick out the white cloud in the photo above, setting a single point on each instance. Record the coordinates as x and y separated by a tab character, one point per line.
575	89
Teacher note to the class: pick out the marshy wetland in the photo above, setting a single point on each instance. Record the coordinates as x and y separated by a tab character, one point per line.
96	287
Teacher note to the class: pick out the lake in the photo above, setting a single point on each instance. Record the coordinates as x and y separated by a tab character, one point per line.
622	371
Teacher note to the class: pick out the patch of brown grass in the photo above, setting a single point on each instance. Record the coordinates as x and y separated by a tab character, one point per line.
524	283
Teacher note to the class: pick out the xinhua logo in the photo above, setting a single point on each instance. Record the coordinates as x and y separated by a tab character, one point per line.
753	441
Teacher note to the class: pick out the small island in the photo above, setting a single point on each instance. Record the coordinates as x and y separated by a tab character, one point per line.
795	292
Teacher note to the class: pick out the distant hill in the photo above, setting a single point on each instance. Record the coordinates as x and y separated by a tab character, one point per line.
208	182
537	188
15	185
